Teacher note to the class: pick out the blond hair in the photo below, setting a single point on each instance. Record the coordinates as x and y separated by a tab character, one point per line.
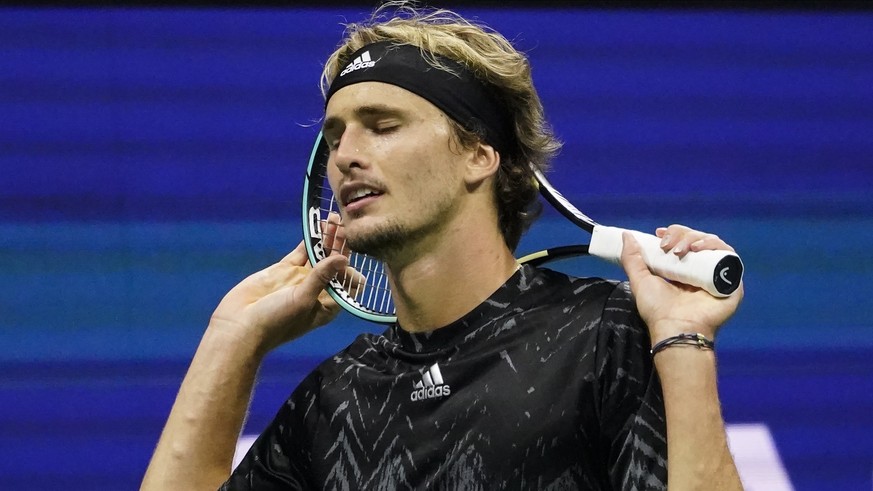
492	59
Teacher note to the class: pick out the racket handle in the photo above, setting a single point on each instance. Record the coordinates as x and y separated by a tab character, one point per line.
717	272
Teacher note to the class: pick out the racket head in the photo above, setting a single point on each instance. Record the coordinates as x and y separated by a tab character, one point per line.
364	292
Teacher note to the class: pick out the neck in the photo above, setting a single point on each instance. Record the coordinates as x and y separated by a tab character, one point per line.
448	280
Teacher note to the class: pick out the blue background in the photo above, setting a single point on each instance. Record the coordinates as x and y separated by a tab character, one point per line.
152	158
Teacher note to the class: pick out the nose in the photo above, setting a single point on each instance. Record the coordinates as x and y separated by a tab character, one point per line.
347	153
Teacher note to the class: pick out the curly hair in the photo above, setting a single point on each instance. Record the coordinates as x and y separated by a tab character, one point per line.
491	58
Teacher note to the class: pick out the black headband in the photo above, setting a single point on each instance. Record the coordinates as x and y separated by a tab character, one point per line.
458	93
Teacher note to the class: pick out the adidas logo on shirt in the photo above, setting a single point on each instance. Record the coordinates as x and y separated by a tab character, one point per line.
362	61
431	385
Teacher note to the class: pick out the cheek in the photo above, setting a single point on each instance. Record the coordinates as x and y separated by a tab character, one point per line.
425	164
434	164
424	177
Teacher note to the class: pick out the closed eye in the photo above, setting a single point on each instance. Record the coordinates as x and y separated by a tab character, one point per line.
385	129
332	132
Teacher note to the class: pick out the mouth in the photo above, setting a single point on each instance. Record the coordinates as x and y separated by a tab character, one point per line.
355	195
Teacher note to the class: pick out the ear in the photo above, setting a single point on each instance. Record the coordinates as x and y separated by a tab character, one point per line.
482	164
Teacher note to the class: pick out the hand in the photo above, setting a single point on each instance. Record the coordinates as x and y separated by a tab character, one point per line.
279	303
670	308
287	299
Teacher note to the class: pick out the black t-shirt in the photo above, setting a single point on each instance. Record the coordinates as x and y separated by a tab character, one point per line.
548	384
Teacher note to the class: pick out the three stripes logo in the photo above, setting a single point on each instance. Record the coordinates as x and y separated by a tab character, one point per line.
362	61
431	385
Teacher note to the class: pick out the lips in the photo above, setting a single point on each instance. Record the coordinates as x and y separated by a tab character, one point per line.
354	193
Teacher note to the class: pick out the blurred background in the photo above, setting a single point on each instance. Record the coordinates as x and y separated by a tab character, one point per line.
151	157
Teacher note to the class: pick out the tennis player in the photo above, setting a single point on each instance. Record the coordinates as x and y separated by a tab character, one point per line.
495	376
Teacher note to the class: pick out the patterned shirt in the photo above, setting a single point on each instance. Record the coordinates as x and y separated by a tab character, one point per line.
548	384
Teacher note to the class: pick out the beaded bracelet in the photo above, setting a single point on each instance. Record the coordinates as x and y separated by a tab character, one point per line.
685	339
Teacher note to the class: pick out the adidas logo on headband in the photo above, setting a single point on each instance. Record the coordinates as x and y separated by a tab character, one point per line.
362	61
452	87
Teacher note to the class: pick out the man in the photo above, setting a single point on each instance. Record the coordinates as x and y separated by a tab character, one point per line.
496	376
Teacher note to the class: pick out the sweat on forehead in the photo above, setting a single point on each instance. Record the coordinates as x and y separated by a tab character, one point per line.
455	91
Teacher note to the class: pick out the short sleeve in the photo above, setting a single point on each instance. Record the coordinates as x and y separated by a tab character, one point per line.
280	458
631	403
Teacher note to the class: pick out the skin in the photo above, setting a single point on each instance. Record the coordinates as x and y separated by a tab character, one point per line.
434	208
697	453
404	147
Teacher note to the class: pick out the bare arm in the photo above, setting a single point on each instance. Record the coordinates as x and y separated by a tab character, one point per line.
698	455
196	447
266	309
697	451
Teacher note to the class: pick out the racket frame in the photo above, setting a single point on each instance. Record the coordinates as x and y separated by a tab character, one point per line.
312	233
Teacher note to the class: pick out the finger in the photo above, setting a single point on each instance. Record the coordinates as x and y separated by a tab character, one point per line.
331	229
710	242
297	257
339	245
632	260
683	246
671	236
321	274
352	280
677	239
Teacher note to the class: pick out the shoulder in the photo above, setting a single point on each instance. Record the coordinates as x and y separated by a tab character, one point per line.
359	352
565	312
554	286
620	315
623	340
369	352
600	307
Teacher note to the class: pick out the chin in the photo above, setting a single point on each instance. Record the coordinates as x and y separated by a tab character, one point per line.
379	240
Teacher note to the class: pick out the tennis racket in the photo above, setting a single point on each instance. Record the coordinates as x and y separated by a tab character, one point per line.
367	294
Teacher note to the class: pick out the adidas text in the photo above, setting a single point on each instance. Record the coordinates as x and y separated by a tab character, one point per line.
430	392
431	385
362	61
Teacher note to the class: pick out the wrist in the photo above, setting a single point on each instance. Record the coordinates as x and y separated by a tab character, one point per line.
231	340
664	329
684	340
685	367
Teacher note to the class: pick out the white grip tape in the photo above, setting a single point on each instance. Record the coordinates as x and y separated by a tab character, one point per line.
695	268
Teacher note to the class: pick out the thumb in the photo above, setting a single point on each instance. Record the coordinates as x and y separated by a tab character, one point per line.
632	259
321	274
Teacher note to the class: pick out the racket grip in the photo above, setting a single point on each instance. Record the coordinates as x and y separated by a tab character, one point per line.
717	272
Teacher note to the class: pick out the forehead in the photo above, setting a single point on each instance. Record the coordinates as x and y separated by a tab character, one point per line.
349	100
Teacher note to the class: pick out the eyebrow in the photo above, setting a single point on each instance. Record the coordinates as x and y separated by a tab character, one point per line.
361	112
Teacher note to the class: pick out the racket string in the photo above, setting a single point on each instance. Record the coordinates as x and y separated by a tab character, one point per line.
369	288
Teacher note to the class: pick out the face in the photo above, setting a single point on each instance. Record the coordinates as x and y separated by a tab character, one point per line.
393	168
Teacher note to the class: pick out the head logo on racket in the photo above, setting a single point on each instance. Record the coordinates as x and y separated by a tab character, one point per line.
315	235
